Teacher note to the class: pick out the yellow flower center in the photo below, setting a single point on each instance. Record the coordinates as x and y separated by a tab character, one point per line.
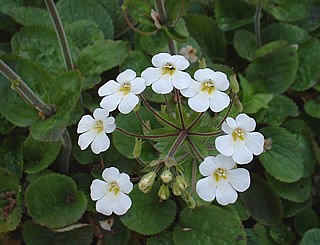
113	187
99	126
168	69
208	86
125	88
220	173
238	134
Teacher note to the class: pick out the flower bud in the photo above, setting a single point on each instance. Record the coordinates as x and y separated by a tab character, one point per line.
163	192
137	148
145	131
137	107
146	182
181	182
202	63
191	203
238	105
234	84
166	176
176	190
163	108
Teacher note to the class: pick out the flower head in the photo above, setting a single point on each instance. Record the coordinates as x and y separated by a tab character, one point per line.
122	93
189	53
222	180
167	73
206	92
111	192
93	130
240	142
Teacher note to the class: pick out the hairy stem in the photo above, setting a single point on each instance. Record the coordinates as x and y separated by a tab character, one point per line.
206	134
195	121
145	136
142	122
180	13
194	148
257	28
179	108
228	112
194	172
65	152
179	140
168	105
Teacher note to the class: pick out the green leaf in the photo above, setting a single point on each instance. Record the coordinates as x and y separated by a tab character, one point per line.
164	238
308	72
259	235
312	20
262	202
131	62
270	47
119	234
290	209
147	215
100	57
233	15
279	109
207	33
34	234
7	5
64	95
5	125
285	153
284	31
31	16
83	181
312	107
311	237
39	155
286	10
305	221
53	200
299	191
282	234
84	33
280	65
73	10
9	183
244	43
209	225
256	102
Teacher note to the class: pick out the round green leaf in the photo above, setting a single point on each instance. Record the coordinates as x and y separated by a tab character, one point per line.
290	209
311	237
31	16
209	225
282	234
285	160
312	20
131	62
262	202
164	238
244	43
53	200
148	215
305	221
312	107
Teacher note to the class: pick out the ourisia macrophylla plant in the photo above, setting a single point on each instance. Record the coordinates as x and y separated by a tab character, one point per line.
209	90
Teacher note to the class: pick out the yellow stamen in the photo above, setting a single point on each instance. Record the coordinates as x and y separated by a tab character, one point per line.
113	187
125	88
168	69
238	134
99	126
220	173
208	86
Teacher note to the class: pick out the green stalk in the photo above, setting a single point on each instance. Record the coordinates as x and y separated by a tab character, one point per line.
179	140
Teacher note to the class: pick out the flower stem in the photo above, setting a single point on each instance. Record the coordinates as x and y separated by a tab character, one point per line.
195	121
194	148
206	134
65	152
179	140
157	114
183	157
194	172
257	28
142	122
180	13
139	160
145	136
25	92
179	108
228	112
172	47
168	105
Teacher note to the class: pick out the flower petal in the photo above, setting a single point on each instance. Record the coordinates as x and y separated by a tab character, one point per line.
163	85
138	85
111	102
239	178
109	87
226	128
224	145
200	102
218	101
241	153
86	123
245	122
151	74
124	183
179	62
232	123
206	188
192	90
181	79
109	125
100	143
128	103
220	81
203	75
208	166
100	114
111	174
86	138
224	162
98	189
121	203
105	205
126	76
254	142
160	60
225	193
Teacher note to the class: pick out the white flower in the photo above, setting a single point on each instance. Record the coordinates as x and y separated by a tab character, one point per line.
167	73
189	53
111	194
122	92
240	142
206	91
221	181
93	130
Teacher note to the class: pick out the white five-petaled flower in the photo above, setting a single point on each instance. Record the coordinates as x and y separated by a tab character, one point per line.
222	180
122	93
111	194
240	142
167	73
206	92
93	130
